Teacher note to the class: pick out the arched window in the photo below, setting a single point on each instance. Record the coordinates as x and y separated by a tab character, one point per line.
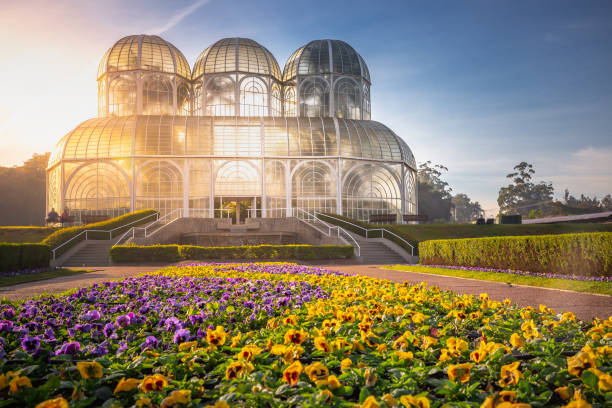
157	97
290	101
102	98
183	100
347	99
220	97
122	97
314	187
370	189
197	99
314	98
365	104
253	97
275	101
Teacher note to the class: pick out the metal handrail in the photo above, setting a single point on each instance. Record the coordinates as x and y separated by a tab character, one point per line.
110	232
339	230
367	231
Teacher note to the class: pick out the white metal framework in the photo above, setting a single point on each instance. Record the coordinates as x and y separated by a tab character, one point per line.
234	130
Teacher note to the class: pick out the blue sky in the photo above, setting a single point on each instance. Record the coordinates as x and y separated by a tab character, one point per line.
475	85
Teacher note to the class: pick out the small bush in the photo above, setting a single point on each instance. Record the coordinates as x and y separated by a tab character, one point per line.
588	254
173	253
59	237
15	257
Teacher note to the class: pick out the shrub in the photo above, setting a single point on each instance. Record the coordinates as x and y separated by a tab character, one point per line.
15	257
588	254
151	253
126	221
173	253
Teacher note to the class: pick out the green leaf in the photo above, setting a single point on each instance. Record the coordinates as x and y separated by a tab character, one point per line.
589	378
365	393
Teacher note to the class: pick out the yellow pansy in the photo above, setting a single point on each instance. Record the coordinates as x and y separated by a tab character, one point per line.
127	385
216	337
59	402
410	401
510	374
292	373
89	369
459	372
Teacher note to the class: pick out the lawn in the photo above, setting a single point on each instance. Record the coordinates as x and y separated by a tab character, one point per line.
25	234
15	280
604	288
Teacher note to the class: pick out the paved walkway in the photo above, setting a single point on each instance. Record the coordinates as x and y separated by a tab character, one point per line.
585	306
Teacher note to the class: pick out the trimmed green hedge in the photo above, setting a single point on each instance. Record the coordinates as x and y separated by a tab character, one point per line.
587	254
65	234
174	253
16	257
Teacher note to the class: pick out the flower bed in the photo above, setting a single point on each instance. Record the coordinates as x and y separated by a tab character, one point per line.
250	335
524	273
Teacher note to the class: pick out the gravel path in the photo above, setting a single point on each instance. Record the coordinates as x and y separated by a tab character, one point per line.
585	306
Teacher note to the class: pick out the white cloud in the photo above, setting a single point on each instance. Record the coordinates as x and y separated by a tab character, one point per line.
177	18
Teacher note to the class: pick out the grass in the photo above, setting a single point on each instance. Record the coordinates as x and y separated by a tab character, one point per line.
603	288
25	234
16	280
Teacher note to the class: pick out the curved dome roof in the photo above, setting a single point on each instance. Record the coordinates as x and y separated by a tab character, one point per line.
145	135
314	58
146	52
236	54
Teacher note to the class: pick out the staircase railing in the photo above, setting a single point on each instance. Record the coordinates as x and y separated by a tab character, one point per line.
98	232
167	218
309	218
368	232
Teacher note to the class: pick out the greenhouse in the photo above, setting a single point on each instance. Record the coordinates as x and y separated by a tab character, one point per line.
235	129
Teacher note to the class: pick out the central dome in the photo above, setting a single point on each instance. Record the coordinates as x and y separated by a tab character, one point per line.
236	55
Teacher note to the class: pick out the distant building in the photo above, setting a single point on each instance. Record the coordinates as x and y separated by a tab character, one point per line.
233	129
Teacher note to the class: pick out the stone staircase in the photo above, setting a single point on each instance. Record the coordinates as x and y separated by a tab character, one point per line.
374	251
91	253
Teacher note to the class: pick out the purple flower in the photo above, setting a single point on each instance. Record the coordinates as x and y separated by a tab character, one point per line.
122	347
181	336
109	329
6	325
122	321
92	315
30	344
71	348
150	342
172	324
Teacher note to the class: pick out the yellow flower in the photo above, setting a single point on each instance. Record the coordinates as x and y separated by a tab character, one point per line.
410	401
317	372
292	373
370	402
516	340
127	385
605	380
59	402
418	318
290	320
578	401
236	340
428	342
18	382
478	355
155	382
563	392
249	352
216	337
143	402
444	356
181	396
333	382
510	374
580	362
460	372
89	369
346	364
404	355
568	316
238	369
187	345
295	336
389	400
456	346
322	344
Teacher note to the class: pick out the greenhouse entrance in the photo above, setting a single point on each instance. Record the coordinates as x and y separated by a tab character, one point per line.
238	208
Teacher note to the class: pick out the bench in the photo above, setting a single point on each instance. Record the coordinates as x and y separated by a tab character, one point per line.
415	217
90	219
383	218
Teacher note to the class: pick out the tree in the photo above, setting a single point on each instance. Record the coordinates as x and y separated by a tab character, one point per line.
464	209
23	192
522	195
434	193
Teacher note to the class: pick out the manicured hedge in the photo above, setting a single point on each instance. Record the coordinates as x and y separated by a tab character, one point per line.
16	257
588	254
173	253
65	234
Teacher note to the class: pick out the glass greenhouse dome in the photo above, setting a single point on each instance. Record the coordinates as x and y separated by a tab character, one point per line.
234	130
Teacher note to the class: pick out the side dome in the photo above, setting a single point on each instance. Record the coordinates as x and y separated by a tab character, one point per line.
325	57
144	52
236	55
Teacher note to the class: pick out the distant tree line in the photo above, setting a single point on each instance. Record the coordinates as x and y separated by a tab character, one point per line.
23	191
